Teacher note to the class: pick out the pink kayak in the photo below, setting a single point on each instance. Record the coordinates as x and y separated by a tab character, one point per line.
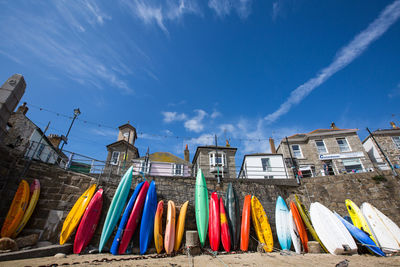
89	221
134	219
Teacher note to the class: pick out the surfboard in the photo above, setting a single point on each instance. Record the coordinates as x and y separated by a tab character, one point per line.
307	221
294	234
124	219
225	234
331	231
180	226
300	226
245	226
116	207
282	224
361	236
158	238
169	240
89	221
357	218
214	227
233	215
147	222
134	218
261	225
75	215
33	199
201	206
17	210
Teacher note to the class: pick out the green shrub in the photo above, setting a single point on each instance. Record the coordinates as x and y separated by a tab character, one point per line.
379	178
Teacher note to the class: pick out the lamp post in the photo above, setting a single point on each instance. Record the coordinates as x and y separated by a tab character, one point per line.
77	112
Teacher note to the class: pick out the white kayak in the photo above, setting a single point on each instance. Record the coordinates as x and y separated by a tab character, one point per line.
333	234
384	230
294	233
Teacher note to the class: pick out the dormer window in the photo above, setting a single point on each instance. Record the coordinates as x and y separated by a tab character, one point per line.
217	159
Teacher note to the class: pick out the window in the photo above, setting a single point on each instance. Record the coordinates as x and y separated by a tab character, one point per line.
321	147
217	160
145	166
40	150
352	165
48	156
396	140
343	145
178	169
114	158
269	177
266	164
296	151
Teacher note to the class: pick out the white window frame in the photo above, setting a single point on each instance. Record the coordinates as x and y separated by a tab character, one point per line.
268	167
301	153
348	144
396	143
143	168
40	150
212	157
175	169
112	161
362	166
323	142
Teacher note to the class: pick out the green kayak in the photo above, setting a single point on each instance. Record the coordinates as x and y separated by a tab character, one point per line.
201	206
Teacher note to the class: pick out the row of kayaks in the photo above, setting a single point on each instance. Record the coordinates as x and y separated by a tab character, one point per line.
141	210
366	227
21	209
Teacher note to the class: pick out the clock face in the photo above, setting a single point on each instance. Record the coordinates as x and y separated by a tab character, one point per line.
126	135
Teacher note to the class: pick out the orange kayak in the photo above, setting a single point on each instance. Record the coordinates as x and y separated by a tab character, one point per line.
245	227
300	225
17	210
169	241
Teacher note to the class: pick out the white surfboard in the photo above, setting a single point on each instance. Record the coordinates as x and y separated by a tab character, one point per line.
333	234
294	233
384	230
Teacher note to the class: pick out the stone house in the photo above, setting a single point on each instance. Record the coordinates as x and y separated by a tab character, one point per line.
263	166
215	161
389	142
325	152
121	152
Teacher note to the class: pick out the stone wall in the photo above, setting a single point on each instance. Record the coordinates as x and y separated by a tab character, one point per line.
60	190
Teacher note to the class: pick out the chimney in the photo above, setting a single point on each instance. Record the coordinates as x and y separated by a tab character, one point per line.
333	126
54	139
394	126
23	109
186	153
272	145
227	143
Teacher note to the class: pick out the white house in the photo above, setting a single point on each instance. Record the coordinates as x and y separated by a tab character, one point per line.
263	166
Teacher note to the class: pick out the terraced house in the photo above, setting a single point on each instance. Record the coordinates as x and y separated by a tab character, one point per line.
325	152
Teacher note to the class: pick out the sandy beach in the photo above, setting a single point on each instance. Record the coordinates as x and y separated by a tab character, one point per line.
242	259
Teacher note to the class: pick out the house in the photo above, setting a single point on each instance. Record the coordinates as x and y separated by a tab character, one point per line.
263	166
121	152
389	142
162	164
215	161
27	139
325	152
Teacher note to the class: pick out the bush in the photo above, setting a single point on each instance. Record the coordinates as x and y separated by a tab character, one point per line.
379	178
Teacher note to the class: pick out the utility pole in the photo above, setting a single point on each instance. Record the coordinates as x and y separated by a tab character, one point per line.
383	153
294	168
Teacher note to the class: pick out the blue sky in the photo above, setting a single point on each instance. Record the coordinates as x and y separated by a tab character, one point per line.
182	71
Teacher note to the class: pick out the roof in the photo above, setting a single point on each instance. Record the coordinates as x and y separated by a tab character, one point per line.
123	142
165	157
212	147
383	132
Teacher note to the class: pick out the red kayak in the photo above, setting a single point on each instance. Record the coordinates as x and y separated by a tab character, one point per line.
89	221
245	228
225	234
134	219
214	227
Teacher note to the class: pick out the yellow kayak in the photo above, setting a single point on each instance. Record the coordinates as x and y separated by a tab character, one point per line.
261	224
74	216
180	226
358	218
17	210
158	237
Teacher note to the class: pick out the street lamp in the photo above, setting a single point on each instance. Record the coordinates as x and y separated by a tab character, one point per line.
77	112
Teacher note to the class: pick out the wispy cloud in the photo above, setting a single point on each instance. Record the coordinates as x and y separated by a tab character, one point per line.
395	92
343	58
224	7
196	124
276	9
105	132
215	114
170	116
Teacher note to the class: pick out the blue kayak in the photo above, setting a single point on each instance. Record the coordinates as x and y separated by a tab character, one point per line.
124	220
361	237
282	224
147	222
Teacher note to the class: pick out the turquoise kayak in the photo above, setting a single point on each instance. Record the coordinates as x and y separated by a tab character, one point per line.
201	206
116	207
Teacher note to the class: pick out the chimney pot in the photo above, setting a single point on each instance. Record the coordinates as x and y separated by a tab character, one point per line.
272	145
23	109
333	126
186	153
394	126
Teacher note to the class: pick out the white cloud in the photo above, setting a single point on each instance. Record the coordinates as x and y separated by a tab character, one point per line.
227	128
276	9
202	140
105	132
170	116
224	7
195	124
395	92
215	114
343	58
